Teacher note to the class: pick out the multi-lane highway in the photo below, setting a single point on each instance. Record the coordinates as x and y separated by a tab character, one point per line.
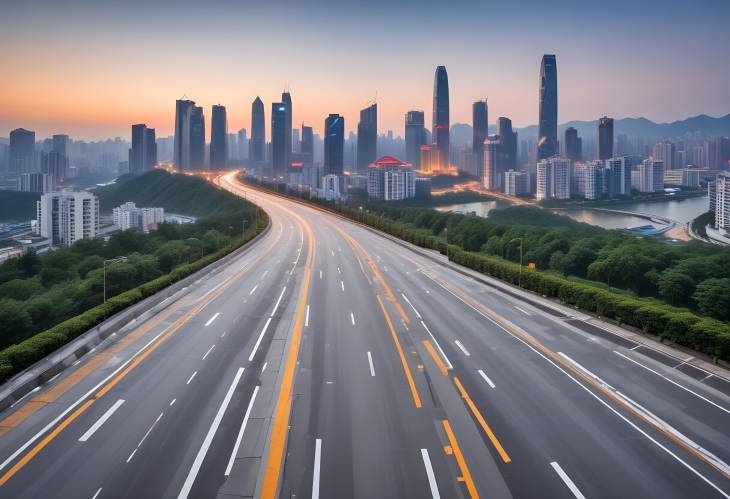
330	361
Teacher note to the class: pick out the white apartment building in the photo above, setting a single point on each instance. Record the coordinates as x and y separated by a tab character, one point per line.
65	217
128	216
553	178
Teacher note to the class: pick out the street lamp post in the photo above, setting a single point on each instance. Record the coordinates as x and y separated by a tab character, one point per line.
446	233
519	276
243	229
111	262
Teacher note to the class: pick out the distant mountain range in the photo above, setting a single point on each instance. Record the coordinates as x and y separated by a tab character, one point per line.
461	133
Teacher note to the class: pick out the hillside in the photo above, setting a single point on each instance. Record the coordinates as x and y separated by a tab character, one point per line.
181	194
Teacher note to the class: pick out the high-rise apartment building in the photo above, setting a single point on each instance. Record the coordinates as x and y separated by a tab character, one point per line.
197	138
605	138
183	115
490	178
516	183
589	179
440	129
390	179
620	176
367	137
547	144
651	175
720	201
65	217
55	164
553	178
218	138
334	144
36	182
307	146
415	137
665	151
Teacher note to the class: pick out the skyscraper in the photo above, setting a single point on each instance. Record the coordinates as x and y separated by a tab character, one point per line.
278	139
143	153
605	138
508	145
60	144
257	143
307	149
665	151
573	145
334	144
22	151
415	137
547	143
440	129
286	101
490	177
197	138
218	138
183	115
651	175
553	178
242	142
480	130
367	137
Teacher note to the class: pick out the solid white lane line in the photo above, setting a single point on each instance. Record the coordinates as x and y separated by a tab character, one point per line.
370	361
522	310
431	477
209	350
264	274
486	378
342	285
210	321
150	429
101	421
411	304
352	318
172	402
241	431
441	350
188	485
461	347
566	479
306	318
258	341
672	382
590	392
191	377
278	301
263	368
131	455
317	464
97	494
253	290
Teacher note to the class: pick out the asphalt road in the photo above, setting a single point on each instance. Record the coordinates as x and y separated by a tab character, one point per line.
329	361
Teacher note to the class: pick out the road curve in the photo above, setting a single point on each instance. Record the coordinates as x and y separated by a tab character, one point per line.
330	361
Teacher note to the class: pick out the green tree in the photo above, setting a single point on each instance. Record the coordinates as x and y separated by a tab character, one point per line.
676	287
713	297
16	322
20	289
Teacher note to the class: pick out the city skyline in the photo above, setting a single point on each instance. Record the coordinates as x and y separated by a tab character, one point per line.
343	77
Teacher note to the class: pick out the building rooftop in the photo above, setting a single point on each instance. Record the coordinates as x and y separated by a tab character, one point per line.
389	161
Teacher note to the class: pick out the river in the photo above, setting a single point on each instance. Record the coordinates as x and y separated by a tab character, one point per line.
681	210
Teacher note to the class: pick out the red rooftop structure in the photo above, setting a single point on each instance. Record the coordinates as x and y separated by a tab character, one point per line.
389	162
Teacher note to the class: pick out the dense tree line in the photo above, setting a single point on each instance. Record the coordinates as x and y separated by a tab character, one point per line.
692	275
40	291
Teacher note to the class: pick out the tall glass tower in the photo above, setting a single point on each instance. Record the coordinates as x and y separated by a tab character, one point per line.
440	131
547	142
257	144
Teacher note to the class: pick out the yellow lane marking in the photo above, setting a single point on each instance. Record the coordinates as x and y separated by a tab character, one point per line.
134	363
436	358
374	268
280	425
482	422
465	474
507	326
409	376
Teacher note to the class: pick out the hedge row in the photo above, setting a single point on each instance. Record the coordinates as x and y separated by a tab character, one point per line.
702	334
15	358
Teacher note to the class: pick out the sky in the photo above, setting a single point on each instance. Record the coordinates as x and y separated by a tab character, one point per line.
91	68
